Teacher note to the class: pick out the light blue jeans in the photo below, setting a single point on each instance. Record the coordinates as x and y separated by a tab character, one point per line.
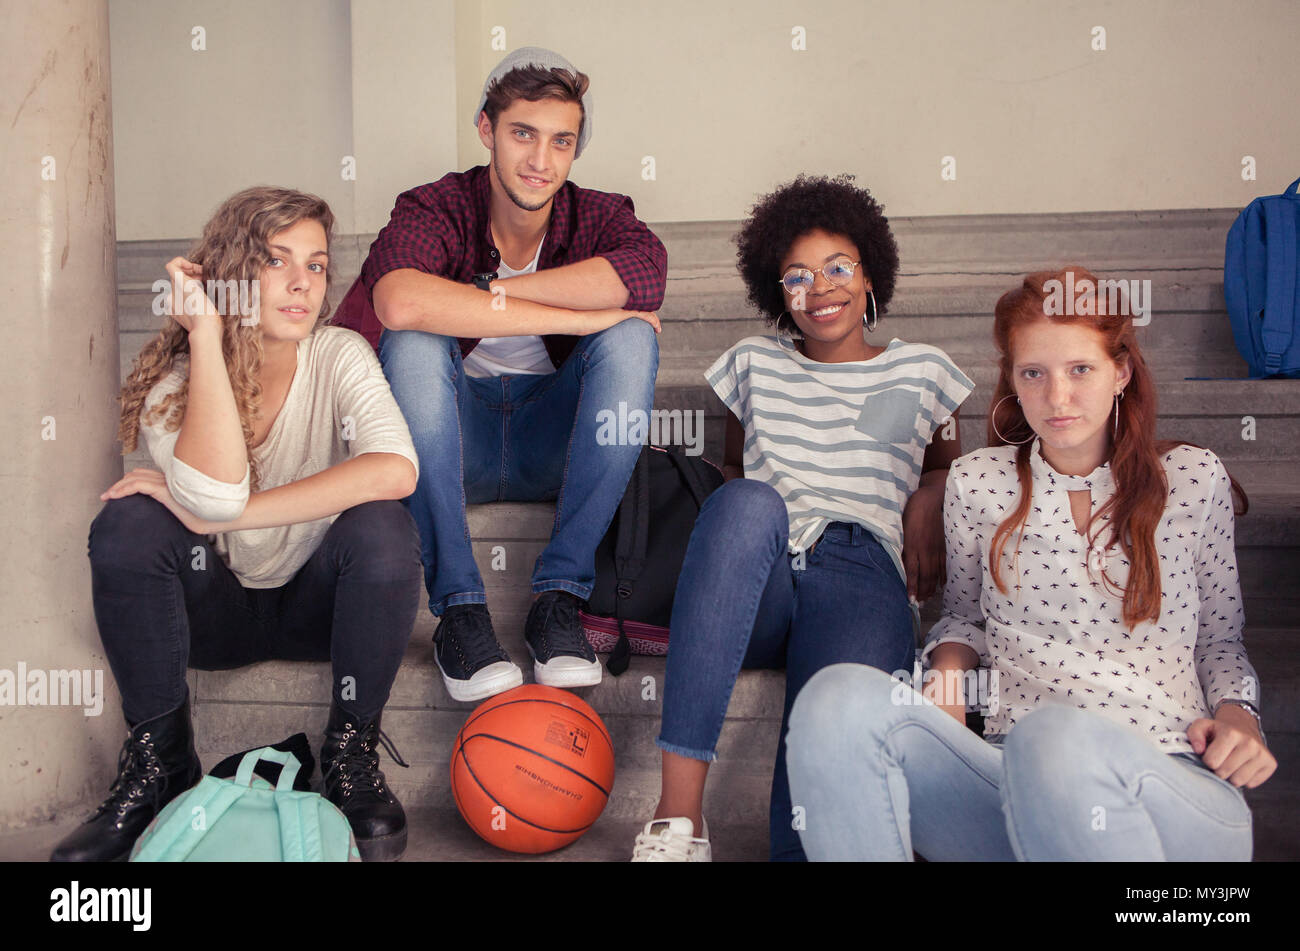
879	773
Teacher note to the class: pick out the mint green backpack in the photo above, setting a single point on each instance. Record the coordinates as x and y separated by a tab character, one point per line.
246	820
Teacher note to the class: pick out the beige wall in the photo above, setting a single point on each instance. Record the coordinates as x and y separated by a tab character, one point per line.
268	102
1037	120
403	100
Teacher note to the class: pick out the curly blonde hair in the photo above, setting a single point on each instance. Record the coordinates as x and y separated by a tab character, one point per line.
233	247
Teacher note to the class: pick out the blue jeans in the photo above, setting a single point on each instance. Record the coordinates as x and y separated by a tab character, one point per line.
880	772
742	601
518	438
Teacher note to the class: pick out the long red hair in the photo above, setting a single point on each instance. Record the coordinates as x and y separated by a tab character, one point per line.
1141	489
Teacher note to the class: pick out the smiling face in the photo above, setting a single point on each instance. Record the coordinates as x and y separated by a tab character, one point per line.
532	145
293	283
829	317
1067	383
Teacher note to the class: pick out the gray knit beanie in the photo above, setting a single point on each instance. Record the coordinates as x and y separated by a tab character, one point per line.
537	56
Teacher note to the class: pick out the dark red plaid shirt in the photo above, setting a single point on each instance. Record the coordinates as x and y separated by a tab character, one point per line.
442	228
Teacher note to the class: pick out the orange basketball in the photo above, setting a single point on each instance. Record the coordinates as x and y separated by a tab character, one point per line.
532	768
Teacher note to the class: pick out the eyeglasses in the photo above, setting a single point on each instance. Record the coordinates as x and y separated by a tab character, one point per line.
839	272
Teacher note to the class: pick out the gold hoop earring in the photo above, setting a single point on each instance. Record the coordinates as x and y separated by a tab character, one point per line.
993	421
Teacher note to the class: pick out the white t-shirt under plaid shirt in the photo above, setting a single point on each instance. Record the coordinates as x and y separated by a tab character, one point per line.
840	442
1058	636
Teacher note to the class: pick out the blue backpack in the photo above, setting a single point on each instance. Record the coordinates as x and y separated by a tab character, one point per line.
246	820
1261	284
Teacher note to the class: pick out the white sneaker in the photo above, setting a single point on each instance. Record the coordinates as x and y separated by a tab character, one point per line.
671	840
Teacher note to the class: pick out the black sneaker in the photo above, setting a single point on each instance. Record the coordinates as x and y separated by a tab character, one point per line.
562	657
473	664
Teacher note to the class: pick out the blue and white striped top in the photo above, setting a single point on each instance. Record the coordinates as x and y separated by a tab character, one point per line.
840	442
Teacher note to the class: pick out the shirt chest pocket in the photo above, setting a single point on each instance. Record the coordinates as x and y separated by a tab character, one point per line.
891	416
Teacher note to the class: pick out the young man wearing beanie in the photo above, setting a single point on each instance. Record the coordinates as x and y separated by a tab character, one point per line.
510	307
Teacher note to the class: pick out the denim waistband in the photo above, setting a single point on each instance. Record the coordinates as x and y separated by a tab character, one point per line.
508	391
850	532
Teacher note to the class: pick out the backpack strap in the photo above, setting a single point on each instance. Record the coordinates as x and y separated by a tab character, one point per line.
300	832
1280	305
689	475
175	838
633	524
288	762
630	552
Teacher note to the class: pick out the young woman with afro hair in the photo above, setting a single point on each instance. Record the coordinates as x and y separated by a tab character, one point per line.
829	528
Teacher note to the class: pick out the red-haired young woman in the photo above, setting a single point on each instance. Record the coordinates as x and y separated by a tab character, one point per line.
1092	596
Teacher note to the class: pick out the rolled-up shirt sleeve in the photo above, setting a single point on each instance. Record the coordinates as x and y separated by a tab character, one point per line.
207	498
963	617
637	256
368	414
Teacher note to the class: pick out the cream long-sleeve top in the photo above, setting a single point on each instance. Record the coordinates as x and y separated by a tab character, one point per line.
338	407
1058	635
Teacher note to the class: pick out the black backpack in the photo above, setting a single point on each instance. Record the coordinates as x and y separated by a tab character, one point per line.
640	557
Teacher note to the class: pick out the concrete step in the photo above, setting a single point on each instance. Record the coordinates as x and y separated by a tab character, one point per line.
422	721
1267	536
437	833
953	271
688	346
635	696
971	245
1264	465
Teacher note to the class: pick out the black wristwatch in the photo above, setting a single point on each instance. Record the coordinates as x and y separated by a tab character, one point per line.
483	281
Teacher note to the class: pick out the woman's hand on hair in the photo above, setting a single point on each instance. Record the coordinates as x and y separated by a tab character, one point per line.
1230	745
192	307
923	542
153	483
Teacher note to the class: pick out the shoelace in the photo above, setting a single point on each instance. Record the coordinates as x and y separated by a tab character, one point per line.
356	765
662	847
564	635
473	641
137	764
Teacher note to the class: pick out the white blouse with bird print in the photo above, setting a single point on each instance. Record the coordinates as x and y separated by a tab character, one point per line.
1058	635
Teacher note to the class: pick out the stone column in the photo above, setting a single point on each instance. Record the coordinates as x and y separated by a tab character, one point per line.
59	392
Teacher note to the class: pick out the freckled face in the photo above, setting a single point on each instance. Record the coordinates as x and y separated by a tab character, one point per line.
1067	383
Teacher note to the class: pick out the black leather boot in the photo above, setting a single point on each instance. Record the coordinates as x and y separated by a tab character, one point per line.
349	765
157	764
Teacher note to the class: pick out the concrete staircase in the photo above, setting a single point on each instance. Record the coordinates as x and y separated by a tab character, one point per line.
954	271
